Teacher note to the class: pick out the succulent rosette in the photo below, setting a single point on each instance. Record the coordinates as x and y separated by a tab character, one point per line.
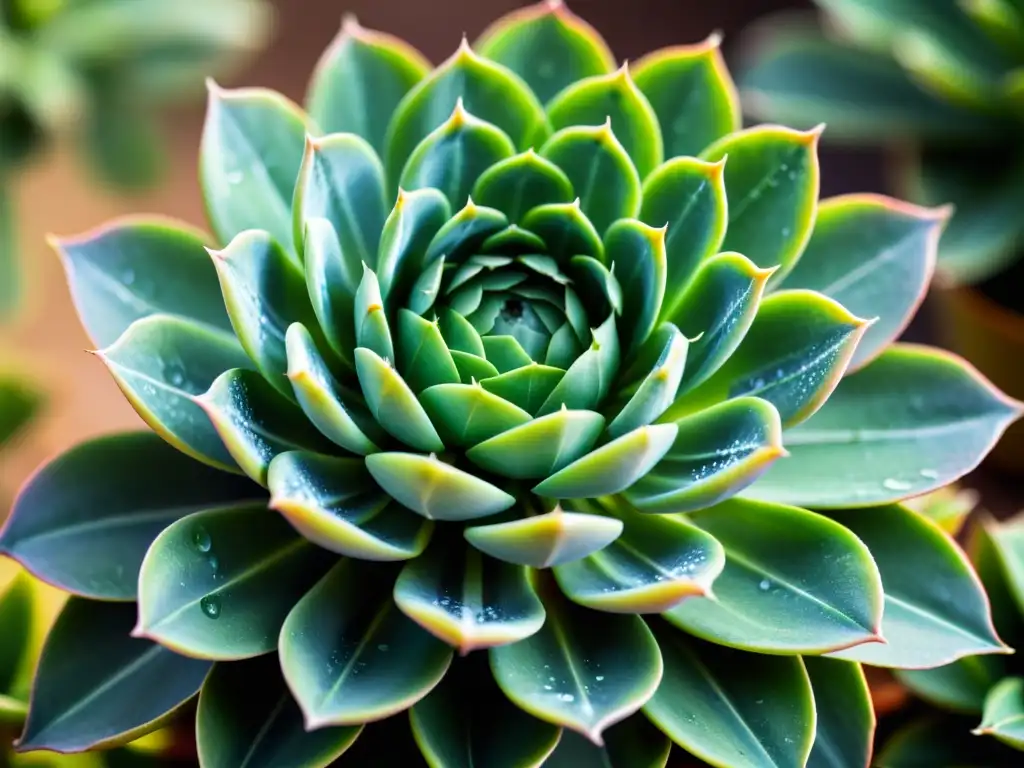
491	431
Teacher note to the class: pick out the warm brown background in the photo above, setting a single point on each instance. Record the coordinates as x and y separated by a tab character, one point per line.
55	197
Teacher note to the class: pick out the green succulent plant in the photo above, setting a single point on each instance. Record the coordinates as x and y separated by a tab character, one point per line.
975	706
98	68
540	365
941	80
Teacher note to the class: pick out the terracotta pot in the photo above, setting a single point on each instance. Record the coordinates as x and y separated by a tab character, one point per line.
992	338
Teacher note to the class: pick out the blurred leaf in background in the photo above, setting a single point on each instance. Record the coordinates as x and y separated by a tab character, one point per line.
98	69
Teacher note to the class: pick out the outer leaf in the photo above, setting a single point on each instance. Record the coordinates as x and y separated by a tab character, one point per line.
927	622
122	688
256	423
453	155
434	489
84	521
633	743
489	91
692	94
16	611
249	161
656	563
687	195
1004	713
600	170
519	184
246	716
771	181
393	404
350	656
614	97
875	256
716	311
335	504
360	80
794	354
545	540
717	452
467	600
162	363
773	596
613	467
582	670
467	721
218	584
845	718
733	708
540	447
342	180
264	292
875	448
638	253
548	46
135	267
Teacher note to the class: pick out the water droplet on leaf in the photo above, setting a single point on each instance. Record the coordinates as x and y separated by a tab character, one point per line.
201	539
211	606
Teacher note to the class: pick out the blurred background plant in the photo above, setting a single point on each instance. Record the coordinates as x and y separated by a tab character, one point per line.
940	83
96	70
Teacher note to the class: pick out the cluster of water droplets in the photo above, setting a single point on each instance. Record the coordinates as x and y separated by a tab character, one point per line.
202	543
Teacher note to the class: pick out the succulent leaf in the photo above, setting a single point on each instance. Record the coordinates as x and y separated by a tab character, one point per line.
360	80
545	540
771	180
1004	713
692	94
732	707
124	687
925	623
217	584
635	742
548	46
251	153
342	180
466	599
350	656
845	723
518	184
92	542
136	267
246	713
334	503
162	363
615	97
565	674
767	590
450	732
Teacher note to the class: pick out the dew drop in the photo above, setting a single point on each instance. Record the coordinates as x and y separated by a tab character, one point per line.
930	474
235	177
566	697
211	606
599	678
892	484
383	647
201	539
765	585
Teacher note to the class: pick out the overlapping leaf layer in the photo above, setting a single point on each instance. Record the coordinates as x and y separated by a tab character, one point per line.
514	350
941	81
